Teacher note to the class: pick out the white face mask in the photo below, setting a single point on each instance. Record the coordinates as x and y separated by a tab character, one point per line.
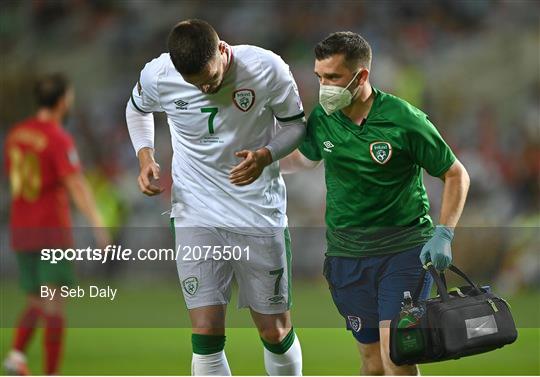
333	98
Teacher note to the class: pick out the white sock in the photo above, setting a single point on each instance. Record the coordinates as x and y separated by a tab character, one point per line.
285	364
214	364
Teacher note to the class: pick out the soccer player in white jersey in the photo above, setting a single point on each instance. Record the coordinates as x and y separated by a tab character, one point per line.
233	112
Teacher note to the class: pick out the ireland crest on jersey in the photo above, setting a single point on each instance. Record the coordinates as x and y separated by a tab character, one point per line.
191	285
244	99
380	151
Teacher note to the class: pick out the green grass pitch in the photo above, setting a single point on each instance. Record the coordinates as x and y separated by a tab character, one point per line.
327	350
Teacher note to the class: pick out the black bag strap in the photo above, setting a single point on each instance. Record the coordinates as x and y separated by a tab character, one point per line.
440	281
457	271
418	290
419	286
443	278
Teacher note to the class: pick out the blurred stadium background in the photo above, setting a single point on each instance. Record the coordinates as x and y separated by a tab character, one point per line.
473	66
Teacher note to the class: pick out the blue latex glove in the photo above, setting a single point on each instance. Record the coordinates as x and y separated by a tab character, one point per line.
438	248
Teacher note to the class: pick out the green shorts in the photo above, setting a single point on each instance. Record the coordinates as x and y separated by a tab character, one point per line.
35	272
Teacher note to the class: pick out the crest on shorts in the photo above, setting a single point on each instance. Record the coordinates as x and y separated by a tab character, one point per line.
191	285
244	99
355	322
380	151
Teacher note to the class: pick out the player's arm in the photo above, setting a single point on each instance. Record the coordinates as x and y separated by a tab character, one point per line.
140	123
141	131
456	185
83	198
286	105
289	135
308	154
438	249
68	168
430	151
295	162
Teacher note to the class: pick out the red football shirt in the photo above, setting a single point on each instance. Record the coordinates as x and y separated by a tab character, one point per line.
38	156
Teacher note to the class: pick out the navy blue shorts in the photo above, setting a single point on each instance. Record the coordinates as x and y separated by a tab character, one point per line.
367	290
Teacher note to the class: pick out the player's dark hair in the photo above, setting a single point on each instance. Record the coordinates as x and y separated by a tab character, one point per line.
50	89
355	48
192	43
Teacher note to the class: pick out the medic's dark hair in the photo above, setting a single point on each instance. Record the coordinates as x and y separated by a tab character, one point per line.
355	48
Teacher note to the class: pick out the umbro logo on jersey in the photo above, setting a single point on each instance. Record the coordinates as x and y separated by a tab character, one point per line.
328	146
244	99
181	104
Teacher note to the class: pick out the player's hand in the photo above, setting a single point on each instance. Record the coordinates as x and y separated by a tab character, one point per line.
251	167
147	179
438	249
149	174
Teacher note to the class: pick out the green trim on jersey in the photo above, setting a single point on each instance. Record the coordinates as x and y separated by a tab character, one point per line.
288	255
376	202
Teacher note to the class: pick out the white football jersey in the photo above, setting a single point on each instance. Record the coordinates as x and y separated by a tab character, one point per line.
207	129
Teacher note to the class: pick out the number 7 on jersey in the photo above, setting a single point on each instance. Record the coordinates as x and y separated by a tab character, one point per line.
213	111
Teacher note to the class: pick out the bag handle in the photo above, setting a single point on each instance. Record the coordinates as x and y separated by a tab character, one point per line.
420	284
440	281
457	271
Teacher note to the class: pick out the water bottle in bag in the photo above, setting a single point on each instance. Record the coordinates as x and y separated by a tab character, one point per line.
410	340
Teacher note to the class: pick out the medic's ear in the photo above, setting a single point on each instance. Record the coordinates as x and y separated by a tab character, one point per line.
363	76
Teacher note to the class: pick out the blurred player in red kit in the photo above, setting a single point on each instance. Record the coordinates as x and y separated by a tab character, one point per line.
44	172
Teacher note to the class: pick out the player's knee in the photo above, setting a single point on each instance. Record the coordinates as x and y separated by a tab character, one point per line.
372	366
54	306
52	309
34	301
372	370
274	335
372	363
208	323
402	370
279	341
391	369
208	327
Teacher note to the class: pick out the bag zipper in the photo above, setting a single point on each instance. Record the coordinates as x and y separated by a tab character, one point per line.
489	301
492	303
506	302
